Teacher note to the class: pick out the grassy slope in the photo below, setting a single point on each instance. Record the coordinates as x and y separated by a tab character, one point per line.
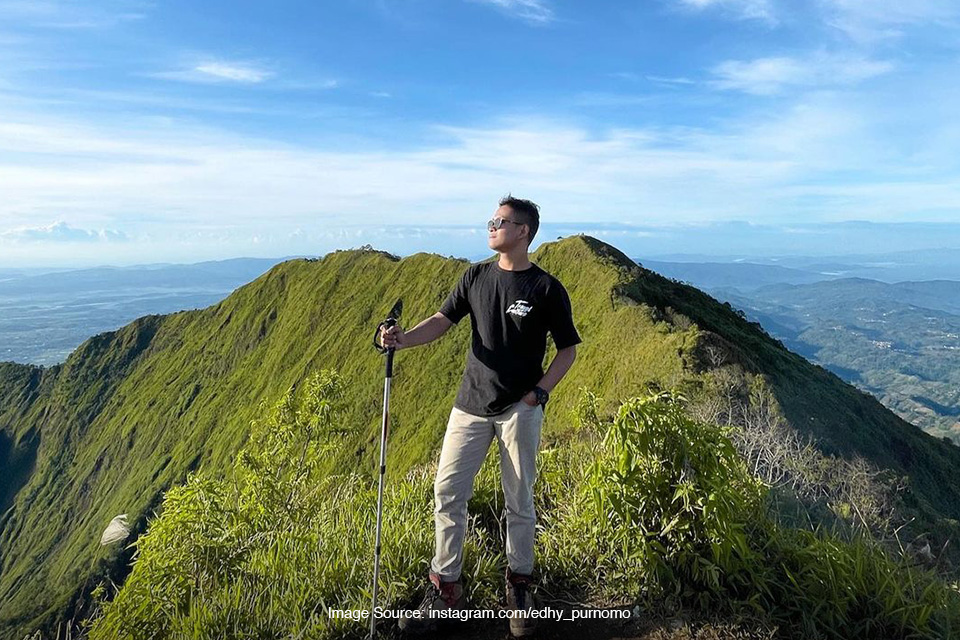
131	411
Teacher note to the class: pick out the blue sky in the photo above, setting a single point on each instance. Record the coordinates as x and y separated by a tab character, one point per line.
138	132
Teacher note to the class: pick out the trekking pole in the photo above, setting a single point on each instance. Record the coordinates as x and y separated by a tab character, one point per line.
391	320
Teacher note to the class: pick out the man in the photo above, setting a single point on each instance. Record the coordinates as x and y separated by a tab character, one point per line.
512	304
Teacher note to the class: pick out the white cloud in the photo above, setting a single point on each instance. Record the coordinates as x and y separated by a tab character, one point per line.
865	21
826	157
174	176
62	232
219	71
233	71
533	11
742	9
670	81
885	19
661	80
57	14
767	76
310	85
603	99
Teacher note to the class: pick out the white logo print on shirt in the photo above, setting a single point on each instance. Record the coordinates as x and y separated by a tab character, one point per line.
520	308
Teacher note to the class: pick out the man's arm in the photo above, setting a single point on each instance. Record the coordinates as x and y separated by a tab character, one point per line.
427	331
555	372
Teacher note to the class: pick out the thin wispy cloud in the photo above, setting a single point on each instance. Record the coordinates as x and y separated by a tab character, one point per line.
233	71
603	99
62	15
768	76
869	22
670	81
218	71
741	9
629	76
533	11
309	84
865	22
60	231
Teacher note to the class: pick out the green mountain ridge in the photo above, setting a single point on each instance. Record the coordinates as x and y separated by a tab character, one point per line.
132	411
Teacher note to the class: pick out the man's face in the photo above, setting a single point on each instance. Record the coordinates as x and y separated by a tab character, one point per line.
510	234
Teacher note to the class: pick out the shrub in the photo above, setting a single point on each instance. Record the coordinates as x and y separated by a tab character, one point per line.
670	499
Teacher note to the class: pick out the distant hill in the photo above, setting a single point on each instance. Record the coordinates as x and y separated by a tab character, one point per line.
940	295
7	273
892	266
131	411
218	273
45	316
742	275
900	342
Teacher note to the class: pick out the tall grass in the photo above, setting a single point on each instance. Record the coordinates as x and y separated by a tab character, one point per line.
645	507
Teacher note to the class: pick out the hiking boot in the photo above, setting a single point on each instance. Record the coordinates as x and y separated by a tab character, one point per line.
520	598
440	595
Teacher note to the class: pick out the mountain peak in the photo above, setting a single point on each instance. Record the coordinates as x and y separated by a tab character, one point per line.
581	246
573	247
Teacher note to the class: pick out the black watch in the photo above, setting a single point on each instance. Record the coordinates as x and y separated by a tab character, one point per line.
542	396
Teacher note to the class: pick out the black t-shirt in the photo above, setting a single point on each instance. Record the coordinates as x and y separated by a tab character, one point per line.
510	312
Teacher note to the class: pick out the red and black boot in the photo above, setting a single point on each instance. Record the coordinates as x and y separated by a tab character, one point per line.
520	598
440	595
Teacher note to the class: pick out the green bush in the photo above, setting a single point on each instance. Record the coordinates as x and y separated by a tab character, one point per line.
670	502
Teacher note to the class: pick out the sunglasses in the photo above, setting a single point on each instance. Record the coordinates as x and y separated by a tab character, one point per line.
496	223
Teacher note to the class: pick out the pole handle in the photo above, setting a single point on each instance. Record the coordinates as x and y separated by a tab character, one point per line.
392	319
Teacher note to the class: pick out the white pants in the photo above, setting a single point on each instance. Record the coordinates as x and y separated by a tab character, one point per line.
465	446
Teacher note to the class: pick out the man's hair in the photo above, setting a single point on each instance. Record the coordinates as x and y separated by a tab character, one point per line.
526	212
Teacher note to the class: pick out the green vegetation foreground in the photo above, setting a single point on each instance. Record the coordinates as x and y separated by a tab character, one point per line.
643	507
